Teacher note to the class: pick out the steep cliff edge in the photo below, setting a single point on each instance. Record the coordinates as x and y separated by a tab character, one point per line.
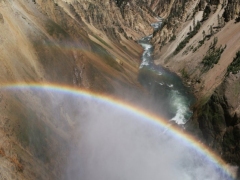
219	117
83	44
199	41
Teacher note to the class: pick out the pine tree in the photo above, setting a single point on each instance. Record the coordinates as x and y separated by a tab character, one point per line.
204	34
211	30
194	22
219	20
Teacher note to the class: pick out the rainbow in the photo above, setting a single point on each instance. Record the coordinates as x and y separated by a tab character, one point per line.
188	139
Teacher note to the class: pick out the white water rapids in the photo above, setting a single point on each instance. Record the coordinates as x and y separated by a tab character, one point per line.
176	95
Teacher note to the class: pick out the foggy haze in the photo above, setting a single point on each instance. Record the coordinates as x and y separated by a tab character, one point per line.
107	141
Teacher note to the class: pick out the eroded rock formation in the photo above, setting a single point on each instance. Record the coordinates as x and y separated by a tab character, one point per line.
90	44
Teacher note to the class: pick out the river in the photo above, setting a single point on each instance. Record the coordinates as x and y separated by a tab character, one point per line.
171	98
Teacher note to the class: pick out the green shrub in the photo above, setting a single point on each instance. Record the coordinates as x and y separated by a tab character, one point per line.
234	67
206	12
213	55
184	73
237	19
183	43
172	38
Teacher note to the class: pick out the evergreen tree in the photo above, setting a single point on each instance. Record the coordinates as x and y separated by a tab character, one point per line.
194	22
204	34
219	20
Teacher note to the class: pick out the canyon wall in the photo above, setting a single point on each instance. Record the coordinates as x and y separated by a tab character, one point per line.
89	45
199	41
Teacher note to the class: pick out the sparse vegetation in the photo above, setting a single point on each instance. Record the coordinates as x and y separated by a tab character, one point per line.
206	12
121	2
205	37
213	55
234	67
200	6
172	38
211	30
237	19
183	43
230	10
204	34
189	48
201	42
184	74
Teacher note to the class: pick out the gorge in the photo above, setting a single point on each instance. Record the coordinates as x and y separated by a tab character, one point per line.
172	98
55	53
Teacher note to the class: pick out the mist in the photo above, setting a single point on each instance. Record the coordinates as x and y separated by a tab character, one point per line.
118	144
103	140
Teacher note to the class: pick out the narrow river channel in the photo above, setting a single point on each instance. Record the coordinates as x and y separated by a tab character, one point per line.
172	98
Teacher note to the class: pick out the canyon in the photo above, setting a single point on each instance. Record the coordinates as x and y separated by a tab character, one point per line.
92	45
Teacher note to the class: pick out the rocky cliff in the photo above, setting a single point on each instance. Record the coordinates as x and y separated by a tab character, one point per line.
218	119
84	44
200	42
